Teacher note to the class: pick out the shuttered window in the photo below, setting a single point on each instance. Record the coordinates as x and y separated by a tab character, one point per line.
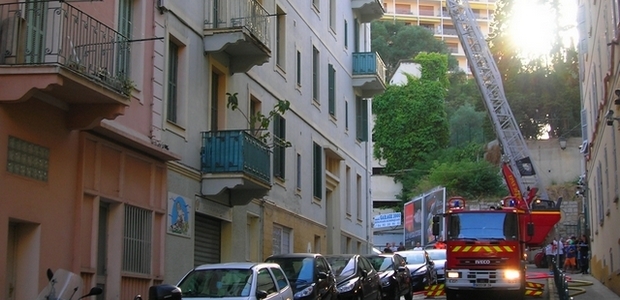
361	116
207	240
317	171
279	147
331	83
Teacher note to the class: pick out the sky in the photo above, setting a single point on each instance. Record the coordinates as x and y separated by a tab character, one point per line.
535	29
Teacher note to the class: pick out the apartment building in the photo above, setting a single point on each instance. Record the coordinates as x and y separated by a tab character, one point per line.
82	178
433	15
235	195
598	24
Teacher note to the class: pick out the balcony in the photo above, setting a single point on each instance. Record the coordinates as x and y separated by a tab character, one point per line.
368	74
239	29
235	166
368	10
53	51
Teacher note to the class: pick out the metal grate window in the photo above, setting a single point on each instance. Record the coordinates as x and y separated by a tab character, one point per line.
27	159
137	240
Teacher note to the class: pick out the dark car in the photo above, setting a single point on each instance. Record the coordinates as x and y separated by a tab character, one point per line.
394	274
438	256
356	278
422	268
310	275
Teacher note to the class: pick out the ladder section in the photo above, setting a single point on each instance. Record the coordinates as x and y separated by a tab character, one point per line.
489	81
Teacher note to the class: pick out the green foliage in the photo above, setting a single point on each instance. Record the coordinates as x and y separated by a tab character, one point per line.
259	123
410	120
395	41
466	126
467	178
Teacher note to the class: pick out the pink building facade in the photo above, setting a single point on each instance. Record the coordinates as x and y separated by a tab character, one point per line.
82	171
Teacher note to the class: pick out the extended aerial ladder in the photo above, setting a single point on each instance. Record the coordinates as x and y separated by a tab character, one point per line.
489	80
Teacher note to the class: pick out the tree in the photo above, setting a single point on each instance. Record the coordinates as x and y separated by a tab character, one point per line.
410	120
395	41
466	126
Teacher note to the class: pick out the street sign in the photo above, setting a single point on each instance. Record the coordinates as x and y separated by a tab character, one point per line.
387	220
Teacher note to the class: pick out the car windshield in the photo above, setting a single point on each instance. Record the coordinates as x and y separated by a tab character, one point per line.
217	283
414	257
381	263
437	255
342	266
297	269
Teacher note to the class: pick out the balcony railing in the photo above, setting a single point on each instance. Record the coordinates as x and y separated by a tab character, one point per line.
368	63
248	14
54	32
235	151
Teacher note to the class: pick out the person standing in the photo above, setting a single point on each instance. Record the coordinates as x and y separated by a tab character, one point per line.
584	249
387	248
418	246
440	244
571	253
401	247
550	254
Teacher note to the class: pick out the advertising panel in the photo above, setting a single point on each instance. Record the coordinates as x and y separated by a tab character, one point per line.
434	203
413	222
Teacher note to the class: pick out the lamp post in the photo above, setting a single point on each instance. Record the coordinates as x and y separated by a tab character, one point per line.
562	143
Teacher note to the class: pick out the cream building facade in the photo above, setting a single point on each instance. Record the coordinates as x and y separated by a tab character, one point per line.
433	15
233	196
599	32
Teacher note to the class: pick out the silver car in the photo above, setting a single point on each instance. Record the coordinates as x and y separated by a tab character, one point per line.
439	258
239	280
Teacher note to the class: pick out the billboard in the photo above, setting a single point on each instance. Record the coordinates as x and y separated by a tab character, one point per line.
419	216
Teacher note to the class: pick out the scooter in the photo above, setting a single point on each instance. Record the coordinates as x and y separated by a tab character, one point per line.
64	285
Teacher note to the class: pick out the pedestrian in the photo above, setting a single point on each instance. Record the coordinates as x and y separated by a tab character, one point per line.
387	248
401	247
583	248
418	246
440	244
550	254
560	250
571	254
393	247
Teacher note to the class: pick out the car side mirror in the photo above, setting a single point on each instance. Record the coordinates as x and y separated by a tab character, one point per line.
261	294
402	269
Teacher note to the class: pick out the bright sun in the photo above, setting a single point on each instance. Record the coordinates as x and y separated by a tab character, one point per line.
533	27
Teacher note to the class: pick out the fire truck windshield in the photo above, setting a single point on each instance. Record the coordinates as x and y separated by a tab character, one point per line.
483	226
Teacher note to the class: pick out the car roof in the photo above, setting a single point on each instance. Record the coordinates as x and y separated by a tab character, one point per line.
236	265
295	255
342	255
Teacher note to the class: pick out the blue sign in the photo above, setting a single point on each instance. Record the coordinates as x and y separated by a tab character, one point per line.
387	220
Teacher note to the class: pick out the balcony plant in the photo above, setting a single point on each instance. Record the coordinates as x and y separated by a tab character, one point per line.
258	122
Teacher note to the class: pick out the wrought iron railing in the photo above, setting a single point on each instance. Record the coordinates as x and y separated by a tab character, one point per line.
54	32
247	14
235	151
368	63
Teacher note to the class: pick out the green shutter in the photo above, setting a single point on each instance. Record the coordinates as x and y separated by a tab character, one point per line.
317	169
361	119
331	78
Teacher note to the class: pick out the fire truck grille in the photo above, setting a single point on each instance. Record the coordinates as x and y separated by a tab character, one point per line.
482	276
491	262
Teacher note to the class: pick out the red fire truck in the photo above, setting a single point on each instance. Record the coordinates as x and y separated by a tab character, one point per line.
486	248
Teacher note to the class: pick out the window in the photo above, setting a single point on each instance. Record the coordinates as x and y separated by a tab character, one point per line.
356	36
599	194
360	197
315	4
298	179
346	34
426	10
264	282
361	115
315	74
317	170
173	65
298	76
137	240
280	278
280	38
331	83
332	15
279	138
281	240
125	25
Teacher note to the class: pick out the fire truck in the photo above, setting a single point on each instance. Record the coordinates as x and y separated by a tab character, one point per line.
485	248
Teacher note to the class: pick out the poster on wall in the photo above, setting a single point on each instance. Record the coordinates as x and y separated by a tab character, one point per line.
434	203
413	222
178	215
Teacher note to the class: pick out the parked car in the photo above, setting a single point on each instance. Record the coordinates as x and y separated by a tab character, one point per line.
239	280
394	275
438	256
422	268
310	275
356	278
